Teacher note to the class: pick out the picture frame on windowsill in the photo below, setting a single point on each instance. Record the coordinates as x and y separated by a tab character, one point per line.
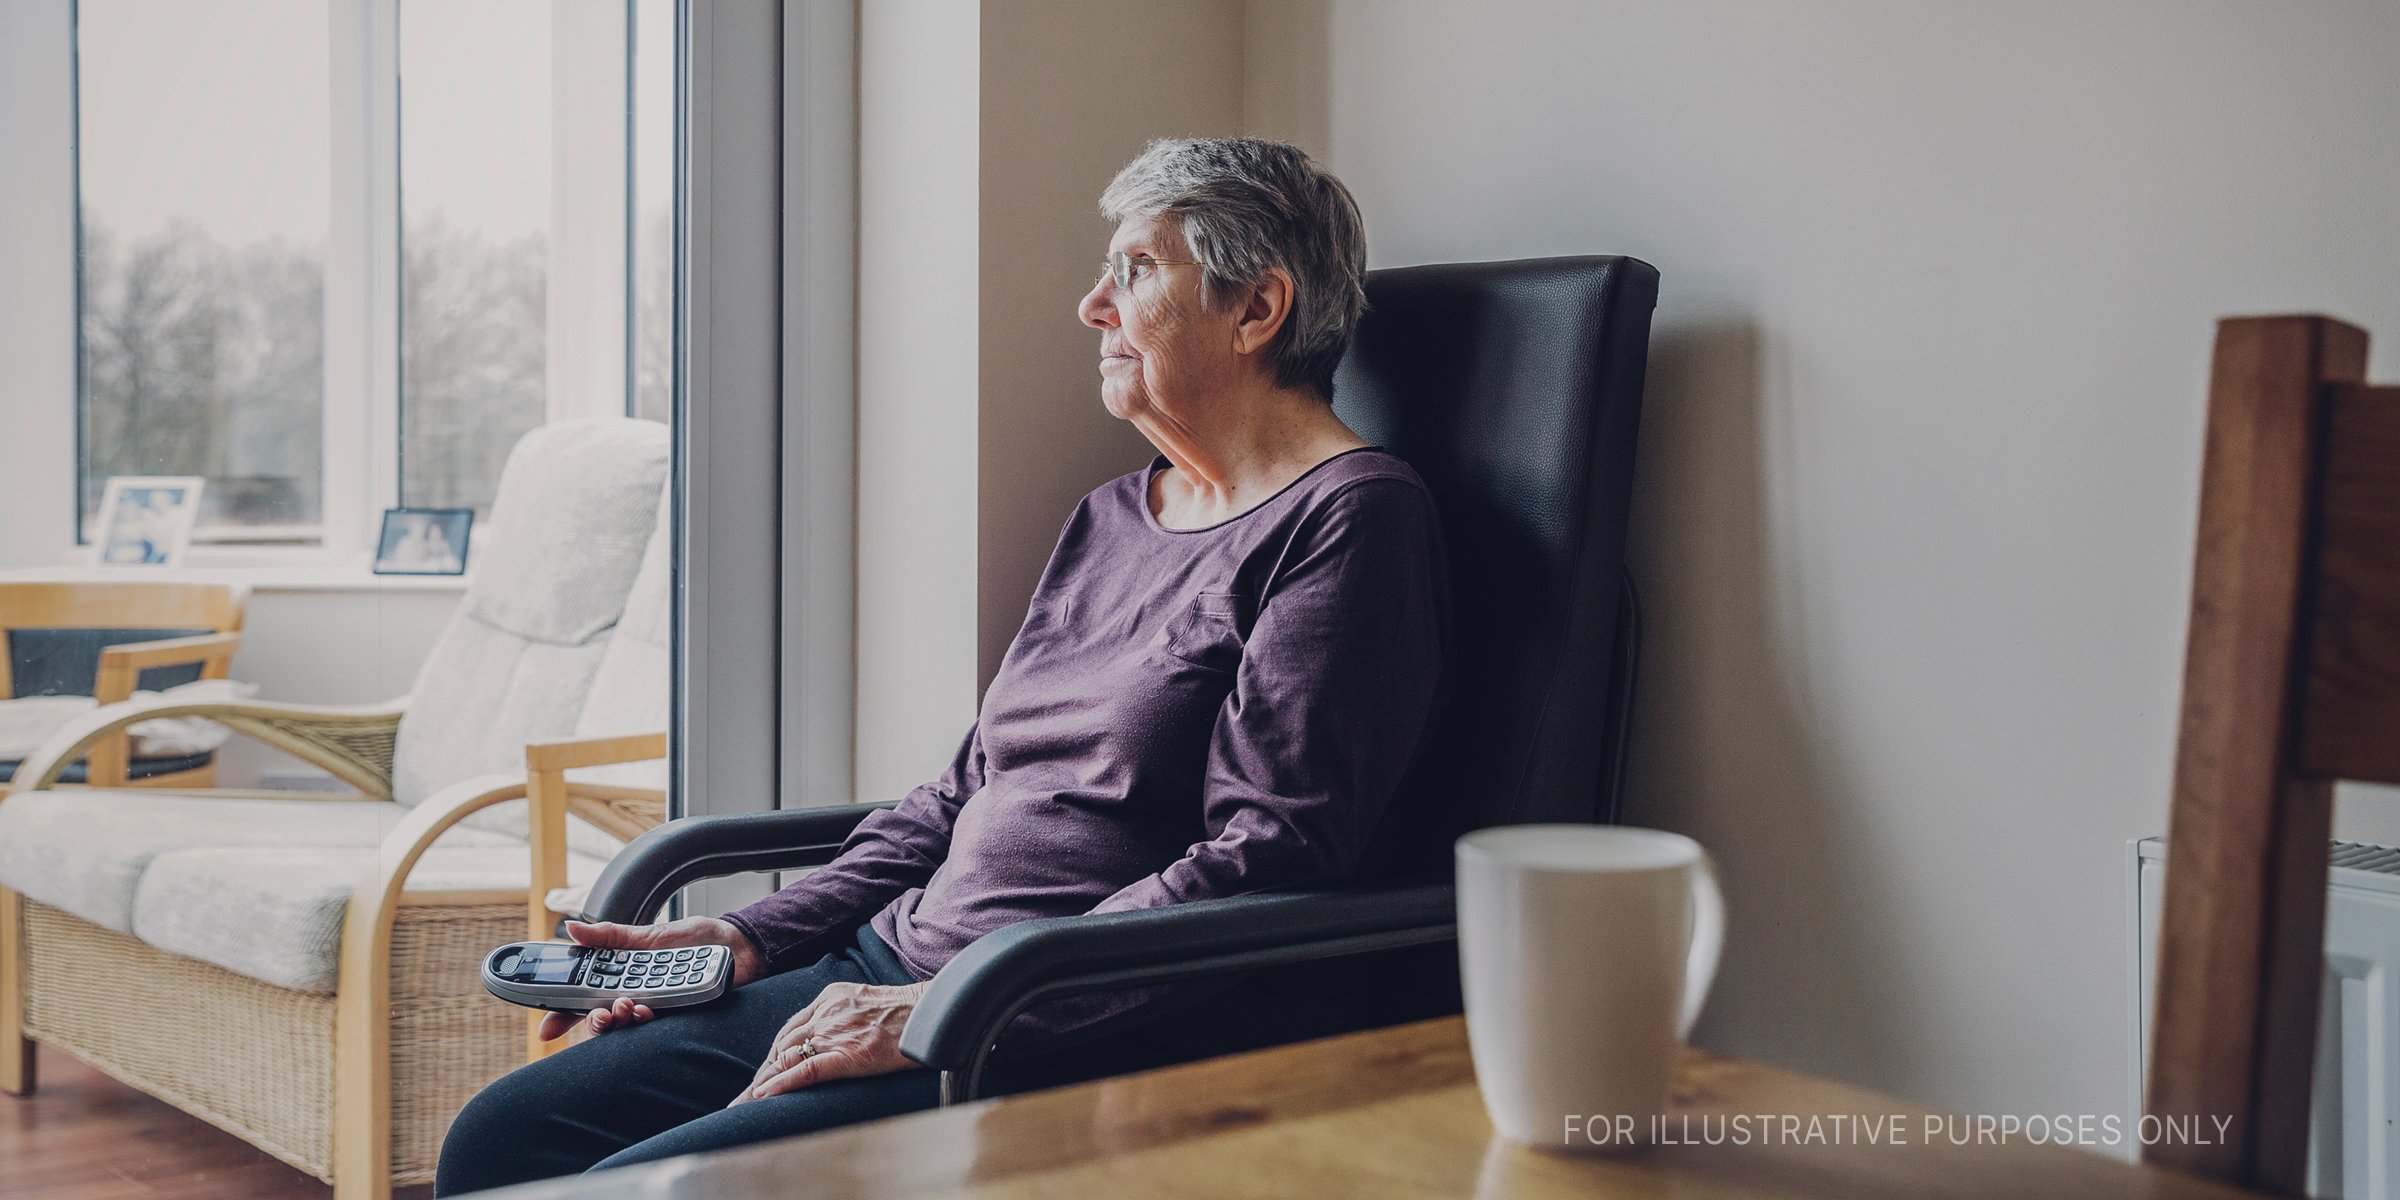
146	520
424	541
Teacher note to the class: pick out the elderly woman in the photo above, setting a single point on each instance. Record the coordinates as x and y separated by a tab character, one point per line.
1220	679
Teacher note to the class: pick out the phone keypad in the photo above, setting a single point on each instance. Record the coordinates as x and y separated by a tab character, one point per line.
652	970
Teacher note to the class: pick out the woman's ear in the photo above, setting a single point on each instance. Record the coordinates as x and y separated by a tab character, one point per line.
1263	313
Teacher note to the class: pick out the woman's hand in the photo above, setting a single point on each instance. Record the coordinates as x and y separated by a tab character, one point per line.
691	931
850	1029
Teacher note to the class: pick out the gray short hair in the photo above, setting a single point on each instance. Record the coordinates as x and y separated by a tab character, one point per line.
1248	204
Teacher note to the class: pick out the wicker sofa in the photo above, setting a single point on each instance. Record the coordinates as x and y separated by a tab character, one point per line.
301	971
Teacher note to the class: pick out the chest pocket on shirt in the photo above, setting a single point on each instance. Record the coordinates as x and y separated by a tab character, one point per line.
1208	631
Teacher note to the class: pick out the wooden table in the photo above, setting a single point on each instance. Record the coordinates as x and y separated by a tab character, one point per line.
1387	1114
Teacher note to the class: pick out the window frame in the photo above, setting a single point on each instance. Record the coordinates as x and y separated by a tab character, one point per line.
362	441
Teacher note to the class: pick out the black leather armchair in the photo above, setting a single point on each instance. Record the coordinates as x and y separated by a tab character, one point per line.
1515	390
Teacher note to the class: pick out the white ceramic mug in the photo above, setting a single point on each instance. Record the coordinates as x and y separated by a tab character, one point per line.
1585	951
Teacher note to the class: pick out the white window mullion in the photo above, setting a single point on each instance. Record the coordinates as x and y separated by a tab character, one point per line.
729	435
362	295
587	295
383	282
37	285
818	713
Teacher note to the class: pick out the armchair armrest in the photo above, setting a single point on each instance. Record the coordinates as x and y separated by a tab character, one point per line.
352	742
638	881
1011	969
110	760
121	666
621	812
362	1023
594	751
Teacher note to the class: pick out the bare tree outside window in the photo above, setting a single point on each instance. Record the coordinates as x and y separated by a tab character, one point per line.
472	321
475	164
202	254
205	144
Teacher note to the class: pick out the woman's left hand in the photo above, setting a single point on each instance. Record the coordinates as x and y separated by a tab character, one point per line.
850	1029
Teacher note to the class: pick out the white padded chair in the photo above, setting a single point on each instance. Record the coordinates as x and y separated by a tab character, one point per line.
329	946
606	784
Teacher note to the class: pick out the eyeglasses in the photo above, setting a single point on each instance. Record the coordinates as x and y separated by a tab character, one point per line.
1121	266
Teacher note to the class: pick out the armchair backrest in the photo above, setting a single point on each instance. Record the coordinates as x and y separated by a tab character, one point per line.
51	634
577	503
630	689
1514	389
629	694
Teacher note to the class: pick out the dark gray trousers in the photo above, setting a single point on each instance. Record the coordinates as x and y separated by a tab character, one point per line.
660	1089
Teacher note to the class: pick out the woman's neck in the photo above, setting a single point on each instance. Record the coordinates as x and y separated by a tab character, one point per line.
1241	459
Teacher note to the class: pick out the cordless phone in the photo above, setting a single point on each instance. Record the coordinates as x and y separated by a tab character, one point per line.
565	977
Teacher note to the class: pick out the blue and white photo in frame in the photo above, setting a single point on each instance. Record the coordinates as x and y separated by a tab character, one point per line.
146	520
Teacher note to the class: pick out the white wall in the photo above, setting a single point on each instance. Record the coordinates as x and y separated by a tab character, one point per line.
1921	445
918	65
330	647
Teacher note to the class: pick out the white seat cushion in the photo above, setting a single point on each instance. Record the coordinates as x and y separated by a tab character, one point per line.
85	851
275	914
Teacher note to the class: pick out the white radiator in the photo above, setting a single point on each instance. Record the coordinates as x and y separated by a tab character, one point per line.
2351	1133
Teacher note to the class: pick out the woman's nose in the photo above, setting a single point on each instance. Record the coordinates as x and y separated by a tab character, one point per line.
1098	309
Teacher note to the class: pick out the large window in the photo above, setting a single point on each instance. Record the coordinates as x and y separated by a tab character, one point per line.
475	155
339	255
204	153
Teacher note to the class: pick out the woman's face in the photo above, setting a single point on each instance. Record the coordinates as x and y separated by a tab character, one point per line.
1162	353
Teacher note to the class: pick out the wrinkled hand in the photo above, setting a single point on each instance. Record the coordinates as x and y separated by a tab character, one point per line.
849	1030
691	931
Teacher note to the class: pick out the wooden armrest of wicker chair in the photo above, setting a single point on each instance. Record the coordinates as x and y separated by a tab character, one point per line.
621	811
353	743
362	1094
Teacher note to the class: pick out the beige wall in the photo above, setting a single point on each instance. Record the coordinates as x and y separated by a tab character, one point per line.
987	129
1072	89
1921	443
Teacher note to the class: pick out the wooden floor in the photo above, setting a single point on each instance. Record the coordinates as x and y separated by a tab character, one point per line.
84	1136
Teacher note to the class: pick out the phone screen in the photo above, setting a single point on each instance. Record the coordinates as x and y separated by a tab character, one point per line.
546	964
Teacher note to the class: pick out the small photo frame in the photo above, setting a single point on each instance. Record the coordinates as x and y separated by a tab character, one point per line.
146	520
424	541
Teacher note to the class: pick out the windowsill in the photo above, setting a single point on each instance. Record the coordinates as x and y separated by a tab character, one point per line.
314	577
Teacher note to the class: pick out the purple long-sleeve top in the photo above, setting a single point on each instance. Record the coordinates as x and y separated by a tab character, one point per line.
1184	714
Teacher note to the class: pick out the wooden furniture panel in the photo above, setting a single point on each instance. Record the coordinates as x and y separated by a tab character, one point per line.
2292	667
2351	710
1390	1114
